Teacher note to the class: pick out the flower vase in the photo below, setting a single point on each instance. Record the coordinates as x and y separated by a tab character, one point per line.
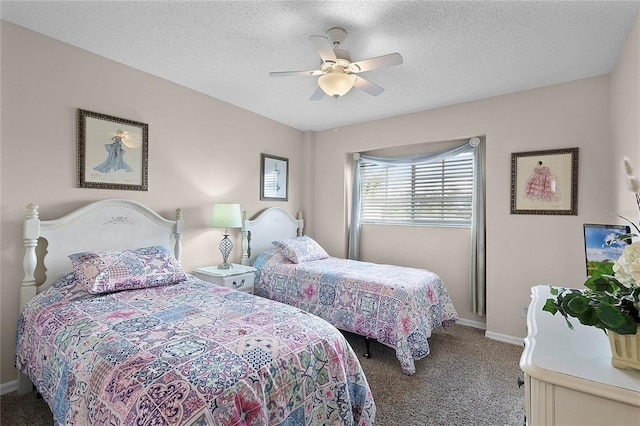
625	349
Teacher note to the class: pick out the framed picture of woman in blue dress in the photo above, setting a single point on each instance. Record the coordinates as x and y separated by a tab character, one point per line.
545	182
112	152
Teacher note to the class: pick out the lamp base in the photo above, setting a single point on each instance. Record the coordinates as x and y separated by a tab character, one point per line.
225	248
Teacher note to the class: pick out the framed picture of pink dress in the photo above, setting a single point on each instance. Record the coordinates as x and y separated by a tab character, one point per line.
112	152
545	182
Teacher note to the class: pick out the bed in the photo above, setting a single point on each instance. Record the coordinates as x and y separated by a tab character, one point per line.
117	333
364	298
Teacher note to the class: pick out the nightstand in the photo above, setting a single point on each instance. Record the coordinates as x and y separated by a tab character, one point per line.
240	277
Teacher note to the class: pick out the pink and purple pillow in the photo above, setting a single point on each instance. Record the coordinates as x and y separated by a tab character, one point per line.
301	249
108	271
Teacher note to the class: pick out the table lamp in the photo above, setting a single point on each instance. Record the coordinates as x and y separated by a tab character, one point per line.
226	216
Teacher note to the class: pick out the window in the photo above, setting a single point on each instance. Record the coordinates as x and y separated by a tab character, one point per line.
433	194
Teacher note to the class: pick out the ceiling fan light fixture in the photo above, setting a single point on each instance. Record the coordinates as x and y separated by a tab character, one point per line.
336	83
337	74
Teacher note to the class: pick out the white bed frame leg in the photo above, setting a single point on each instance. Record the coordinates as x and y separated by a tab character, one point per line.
31	233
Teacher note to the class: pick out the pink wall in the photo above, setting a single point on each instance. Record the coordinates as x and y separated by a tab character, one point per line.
625	120
522	250
201	151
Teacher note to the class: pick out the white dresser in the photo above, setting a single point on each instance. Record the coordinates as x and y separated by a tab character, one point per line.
569	379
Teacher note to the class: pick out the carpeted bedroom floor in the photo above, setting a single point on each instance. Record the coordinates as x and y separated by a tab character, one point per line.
466	380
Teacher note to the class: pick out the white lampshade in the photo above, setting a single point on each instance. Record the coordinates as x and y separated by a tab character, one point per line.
226	216
336	83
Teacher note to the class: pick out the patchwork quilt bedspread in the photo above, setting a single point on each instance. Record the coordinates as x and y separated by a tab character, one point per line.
190	353
398	306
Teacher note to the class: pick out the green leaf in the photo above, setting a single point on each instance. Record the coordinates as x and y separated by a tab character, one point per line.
577	305
589	317
550	306
602	282
629	326
564	306
610	316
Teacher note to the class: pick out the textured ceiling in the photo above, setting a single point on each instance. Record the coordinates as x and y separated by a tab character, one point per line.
453	51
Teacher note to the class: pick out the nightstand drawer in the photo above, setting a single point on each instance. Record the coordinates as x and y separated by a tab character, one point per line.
240	277
242	282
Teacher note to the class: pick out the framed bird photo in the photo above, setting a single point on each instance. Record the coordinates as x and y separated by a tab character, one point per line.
112	152
545	182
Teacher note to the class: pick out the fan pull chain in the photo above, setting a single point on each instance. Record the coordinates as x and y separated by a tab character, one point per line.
335	127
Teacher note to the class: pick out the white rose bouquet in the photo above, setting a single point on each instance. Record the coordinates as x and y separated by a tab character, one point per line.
627	267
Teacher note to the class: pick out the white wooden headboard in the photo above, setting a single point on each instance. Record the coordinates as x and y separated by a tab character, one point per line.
269	225
102	225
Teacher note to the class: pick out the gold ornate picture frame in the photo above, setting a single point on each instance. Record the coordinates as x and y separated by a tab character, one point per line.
112	152
545	182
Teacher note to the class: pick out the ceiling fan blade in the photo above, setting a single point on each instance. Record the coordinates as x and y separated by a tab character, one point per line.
324	48
317	95
375	63
367	86
290	73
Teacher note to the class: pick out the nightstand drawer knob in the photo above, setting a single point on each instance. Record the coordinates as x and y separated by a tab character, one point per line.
236	285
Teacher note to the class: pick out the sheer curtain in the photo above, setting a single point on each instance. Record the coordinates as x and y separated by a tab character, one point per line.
478	283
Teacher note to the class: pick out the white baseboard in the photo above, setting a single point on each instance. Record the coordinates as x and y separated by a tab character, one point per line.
470	323
489	334
504	338
8	387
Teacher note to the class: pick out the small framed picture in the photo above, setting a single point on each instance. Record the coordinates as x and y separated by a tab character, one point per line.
274	178
112	152
545	182
596	249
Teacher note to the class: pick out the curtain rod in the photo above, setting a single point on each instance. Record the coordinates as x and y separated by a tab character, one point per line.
474	141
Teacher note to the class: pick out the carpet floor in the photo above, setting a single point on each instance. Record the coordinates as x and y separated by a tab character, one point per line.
466	380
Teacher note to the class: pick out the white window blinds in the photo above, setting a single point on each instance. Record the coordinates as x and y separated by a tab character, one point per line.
437	193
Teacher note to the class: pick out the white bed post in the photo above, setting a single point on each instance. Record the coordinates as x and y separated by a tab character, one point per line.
300	224
30	233
177	249
245	240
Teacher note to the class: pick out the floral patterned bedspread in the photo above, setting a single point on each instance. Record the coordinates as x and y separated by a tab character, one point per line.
398	306
190	353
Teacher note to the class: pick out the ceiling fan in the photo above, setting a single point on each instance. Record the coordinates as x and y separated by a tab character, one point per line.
337	72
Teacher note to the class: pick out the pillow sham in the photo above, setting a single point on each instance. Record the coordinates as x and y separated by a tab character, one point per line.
301	249
108	271
270	258
67	280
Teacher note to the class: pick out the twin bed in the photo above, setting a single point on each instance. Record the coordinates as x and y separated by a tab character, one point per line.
117	333
397	306
114	331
